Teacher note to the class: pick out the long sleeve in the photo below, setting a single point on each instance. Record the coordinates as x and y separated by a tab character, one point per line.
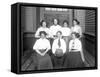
80	31
63	46
48	33
35	45
48	45
79	45
37	33
54	47
71	29
70	45
51	31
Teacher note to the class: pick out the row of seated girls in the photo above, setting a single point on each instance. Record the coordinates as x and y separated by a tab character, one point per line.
58	47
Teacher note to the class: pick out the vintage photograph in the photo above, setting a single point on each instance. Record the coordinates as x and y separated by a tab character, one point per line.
57	38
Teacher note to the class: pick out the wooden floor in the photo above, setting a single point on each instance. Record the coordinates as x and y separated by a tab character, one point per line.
28	63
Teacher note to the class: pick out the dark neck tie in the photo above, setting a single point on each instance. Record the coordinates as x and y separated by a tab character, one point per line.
59	43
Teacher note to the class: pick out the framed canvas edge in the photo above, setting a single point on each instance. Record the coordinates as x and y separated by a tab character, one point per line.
17	68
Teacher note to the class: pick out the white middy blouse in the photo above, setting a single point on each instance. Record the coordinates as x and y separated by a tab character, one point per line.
75	45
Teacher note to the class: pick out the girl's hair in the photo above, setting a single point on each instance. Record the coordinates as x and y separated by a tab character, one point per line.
42	32
65	21
56	19
59	32
42	22
77	35
76	21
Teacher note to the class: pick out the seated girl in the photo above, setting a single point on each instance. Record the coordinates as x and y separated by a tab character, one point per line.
42	46
75	57
58	50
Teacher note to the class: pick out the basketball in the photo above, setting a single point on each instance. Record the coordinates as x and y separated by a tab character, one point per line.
59	52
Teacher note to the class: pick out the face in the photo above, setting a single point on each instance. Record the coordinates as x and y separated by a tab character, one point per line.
65	24
55	21
59	34
74	22
73	36
42	35
44	24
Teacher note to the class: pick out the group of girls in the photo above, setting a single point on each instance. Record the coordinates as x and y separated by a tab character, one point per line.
58	46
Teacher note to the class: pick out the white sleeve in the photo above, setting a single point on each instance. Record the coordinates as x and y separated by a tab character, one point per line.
79	45
48	44
50	31
70	45
80	31
69	31
35	45
37	32
54	47
59	29
64	46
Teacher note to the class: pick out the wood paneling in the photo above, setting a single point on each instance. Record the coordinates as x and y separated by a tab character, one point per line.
90	22
28	19
90	44
90	39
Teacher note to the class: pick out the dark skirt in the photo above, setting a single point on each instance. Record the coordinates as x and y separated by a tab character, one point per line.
43	62
58	62
74	60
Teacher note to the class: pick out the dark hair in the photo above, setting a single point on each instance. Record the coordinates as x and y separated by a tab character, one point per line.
43	33
77	35
56	19
42	22
76	21
65	21
59	32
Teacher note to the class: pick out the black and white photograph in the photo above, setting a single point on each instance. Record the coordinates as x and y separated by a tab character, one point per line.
57	38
